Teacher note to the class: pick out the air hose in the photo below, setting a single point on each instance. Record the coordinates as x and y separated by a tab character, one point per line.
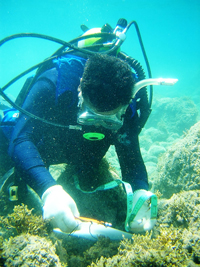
144	104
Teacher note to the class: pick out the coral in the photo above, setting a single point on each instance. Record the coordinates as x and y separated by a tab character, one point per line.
104	247
181	210
175	241
23	221
154	134
165	250
27	250
179	168
191	241
1	250
156	150
173	115
82	252
26	225
32	232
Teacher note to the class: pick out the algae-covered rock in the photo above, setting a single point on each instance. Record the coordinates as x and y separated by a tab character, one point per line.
154	134
104	247
22	220
165	250
28	250
181	210
82	253
175	240
173	115
179	168
156	150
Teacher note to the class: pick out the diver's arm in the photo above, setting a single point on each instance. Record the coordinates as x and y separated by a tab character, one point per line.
129	154
58	205
22	148
142	207
30	165
132	165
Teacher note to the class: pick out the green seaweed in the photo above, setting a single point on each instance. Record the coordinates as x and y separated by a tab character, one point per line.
22	220
144	250
175	240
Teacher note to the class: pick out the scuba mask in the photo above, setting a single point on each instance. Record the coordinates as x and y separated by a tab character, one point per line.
112	120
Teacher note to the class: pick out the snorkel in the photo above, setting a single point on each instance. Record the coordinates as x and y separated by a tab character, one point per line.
114	40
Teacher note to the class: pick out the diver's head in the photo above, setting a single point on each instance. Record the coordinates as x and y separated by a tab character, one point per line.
107	82
106	91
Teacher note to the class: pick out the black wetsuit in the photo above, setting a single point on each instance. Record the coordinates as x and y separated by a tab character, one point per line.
36	145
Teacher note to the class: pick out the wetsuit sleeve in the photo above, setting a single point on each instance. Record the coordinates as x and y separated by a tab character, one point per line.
28	132
129	154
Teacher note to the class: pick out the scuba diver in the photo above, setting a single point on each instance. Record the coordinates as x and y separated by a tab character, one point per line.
86	100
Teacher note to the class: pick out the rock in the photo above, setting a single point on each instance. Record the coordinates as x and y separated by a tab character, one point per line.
155	134
156	150
151	167
112	158
173	115
29	250
145	141
172	137
181	210
150	158
179	168
143	152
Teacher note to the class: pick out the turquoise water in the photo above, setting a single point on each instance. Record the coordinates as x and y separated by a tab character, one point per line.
170	32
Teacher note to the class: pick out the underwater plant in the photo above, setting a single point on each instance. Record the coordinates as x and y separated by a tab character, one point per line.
22	220
143	250
175	240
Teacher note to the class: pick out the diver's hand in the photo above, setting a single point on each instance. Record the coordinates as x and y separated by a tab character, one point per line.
60	208
145	203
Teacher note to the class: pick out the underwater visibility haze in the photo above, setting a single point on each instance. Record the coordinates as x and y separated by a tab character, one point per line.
170	140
